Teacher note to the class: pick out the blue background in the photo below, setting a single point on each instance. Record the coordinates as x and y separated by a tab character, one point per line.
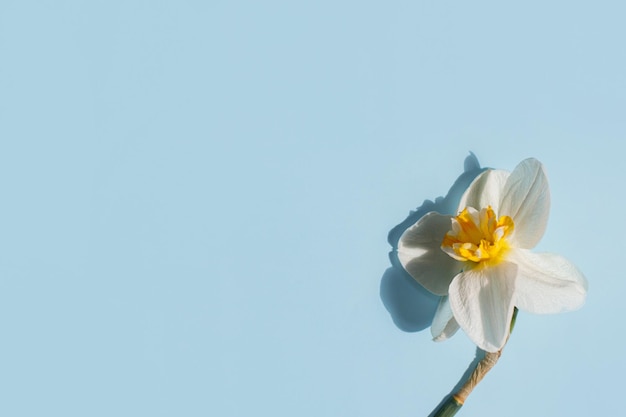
196	198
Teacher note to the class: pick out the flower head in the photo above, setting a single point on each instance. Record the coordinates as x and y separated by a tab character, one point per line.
480	263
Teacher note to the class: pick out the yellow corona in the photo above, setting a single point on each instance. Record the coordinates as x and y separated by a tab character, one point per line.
478	236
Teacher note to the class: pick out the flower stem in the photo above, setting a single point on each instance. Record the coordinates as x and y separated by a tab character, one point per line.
448	408
454	401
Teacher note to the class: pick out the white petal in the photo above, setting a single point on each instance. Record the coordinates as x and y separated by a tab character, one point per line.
547	283
482	303
526	199
444	325
419	251
485	190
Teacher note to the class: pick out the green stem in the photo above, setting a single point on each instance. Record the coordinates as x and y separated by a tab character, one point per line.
454	401
448	408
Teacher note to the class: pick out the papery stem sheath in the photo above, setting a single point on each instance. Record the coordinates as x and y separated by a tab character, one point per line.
455	401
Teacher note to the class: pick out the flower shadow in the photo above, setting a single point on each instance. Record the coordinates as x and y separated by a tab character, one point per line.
410	305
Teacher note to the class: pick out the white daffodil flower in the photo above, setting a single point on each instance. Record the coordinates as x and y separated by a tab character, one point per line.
480	261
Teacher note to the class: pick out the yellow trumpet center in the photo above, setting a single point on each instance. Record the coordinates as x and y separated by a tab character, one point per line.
478	236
